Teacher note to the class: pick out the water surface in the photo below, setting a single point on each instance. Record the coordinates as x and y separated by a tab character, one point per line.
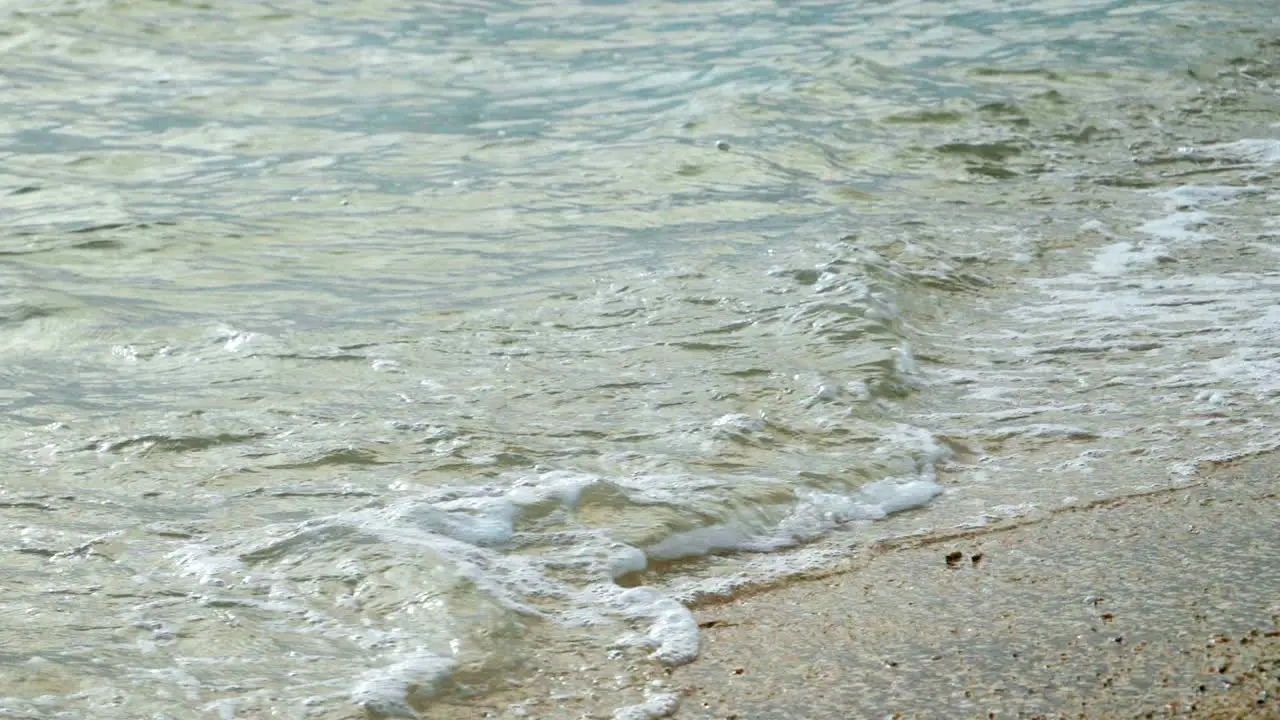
351	352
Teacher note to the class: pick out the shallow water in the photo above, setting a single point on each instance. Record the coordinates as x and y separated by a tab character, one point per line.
351	351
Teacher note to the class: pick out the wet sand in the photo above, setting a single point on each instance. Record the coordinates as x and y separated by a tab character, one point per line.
1150	604
1163	604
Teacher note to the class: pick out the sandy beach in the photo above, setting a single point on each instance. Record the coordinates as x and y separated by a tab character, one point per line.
1154	605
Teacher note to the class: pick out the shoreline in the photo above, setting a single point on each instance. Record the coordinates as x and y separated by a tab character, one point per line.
1164	603
1117	608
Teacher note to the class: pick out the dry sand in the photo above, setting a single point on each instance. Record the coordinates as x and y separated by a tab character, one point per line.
1163	604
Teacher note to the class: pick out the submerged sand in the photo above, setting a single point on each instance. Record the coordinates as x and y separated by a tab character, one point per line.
1161	604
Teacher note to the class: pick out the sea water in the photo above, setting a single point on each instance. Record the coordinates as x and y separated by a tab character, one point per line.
352	352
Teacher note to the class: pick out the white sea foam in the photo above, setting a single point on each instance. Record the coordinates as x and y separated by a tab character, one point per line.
392	690
1190	197
1119	258
1178	226
561	487
701	541
813	514
1253	150
478	521
656	705
673	630
1186	222
1044	430
819	512
467	541
738	422
205	563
